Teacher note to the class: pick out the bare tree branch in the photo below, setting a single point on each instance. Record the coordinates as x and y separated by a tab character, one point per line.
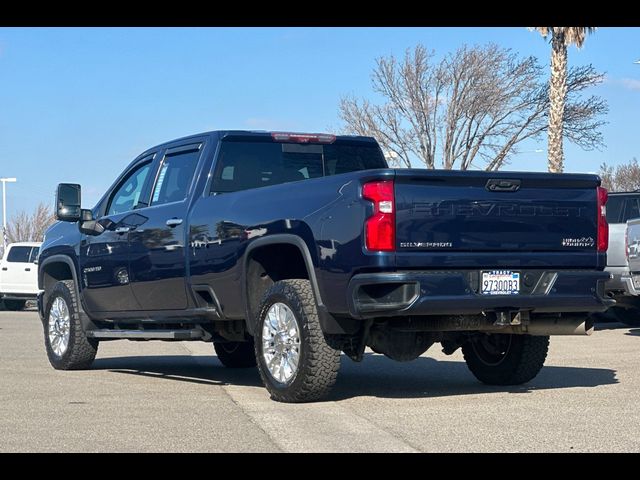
30	227
623	178
470	109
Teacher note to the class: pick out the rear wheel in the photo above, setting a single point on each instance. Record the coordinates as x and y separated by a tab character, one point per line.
236	354
295	362
501	359
15	305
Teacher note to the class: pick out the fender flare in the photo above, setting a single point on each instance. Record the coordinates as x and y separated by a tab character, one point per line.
279	239
58	259
66	259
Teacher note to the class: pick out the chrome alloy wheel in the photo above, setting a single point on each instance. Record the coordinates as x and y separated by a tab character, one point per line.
59	326
281	343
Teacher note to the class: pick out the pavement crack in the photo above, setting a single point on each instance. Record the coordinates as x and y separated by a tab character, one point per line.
228	394
253	420
381	427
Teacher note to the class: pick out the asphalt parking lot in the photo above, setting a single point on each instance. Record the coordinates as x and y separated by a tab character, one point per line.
162	396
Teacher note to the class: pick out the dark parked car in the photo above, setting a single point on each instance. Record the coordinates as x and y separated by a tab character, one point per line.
286	249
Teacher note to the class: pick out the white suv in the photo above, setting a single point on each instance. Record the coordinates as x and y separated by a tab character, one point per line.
19	274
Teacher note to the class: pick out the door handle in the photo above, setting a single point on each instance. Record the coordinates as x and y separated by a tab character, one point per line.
121	230
4	269
27	269
174	222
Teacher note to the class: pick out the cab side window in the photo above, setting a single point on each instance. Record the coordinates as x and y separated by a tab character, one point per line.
19	255
176	174
127	196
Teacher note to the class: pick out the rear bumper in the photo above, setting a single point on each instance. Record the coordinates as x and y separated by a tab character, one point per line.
457	293
622	281
632	282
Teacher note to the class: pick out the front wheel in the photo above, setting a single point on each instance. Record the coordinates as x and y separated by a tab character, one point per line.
295	362
504	359
15	305
68	347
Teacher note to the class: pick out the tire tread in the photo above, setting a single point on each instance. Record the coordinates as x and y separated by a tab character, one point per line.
525	363
81	350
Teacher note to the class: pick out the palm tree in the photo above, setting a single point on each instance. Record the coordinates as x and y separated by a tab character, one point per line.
561	38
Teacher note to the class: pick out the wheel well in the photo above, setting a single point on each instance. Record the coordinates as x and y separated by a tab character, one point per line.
52	273
265	266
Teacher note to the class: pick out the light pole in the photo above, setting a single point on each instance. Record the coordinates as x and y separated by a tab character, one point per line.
4	211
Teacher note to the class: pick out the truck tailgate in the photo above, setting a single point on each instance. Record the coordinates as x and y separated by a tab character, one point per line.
456	212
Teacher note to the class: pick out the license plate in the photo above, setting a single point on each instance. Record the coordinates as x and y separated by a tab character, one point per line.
500	282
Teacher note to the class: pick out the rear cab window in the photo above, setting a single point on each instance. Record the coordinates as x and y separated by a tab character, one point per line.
621	208
243	164
615	205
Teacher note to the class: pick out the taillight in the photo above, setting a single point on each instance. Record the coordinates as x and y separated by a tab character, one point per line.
380	228
603	226
303	137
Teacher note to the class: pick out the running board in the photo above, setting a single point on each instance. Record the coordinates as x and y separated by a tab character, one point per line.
148	334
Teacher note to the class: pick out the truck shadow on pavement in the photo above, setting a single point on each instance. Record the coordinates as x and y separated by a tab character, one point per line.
618	326
375	376
426	377
184	368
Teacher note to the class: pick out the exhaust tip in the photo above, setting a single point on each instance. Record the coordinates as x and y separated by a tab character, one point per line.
589	325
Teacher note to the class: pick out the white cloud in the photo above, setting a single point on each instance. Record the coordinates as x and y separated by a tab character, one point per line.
631	83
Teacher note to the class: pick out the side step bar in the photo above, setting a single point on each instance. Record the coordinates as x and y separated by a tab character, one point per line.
194	334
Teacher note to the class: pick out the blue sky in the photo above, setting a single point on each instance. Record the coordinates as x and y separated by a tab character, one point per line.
78	104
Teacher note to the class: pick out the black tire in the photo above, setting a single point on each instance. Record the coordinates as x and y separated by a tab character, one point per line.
81	351
501	359
236	354
628	316
318	363
15	305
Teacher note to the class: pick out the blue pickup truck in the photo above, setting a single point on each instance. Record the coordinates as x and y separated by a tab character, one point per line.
286	249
